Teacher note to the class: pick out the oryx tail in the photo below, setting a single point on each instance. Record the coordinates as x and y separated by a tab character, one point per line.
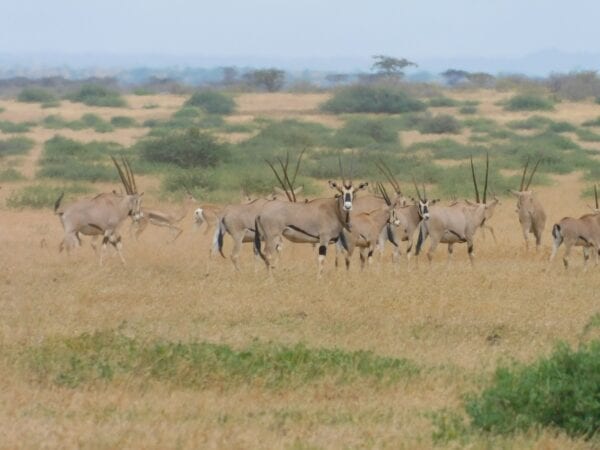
257	232
218	237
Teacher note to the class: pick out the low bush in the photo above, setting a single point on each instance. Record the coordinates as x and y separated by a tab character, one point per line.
468	109
15	146
122	122
561	391
561	127
437	102
440	124
7	126
531	123
528	102
592	123
359	132
372	99
36	95
96	95
212	102
191	148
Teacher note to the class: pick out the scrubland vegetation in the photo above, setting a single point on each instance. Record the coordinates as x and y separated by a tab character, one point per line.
171	351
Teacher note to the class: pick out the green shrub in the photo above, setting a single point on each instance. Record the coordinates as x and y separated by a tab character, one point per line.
440	124
41	195
192	148
588	136
212	102
562	127
51	104
12	127
437	102
142	91
561	391
531	123
15	146
109	356
359	132
468	109
528	102
592	123
372	99
36	95
122	122
96	95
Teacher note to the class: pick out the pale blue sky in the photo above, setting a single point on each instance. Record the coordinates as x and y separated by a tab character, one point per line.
298	29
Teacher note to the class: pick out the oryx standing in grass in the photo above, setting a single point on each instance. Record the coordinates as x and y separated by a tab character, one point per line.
239	220
166	219
452	224
101	215
318	221
366	229
583	232
531	212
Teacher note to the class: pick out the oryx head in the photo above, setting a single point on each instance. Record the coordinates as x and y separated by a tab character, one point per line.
346	190
423	202
394	217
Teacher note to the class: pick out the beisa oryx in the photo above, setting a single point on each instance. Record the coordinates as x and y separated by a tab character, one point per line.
451	224
531	212
582	232
318	221
101	215
239	220
366	230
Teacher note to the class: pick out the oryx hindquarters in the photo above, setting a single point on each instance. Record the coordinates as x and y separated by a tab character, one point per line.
532	216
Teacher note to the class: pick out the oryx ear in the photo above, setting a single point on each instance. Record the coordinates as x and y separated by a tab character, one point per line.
141	195
361	186
278	190
434	201
515	193
333	185
298	189
469	202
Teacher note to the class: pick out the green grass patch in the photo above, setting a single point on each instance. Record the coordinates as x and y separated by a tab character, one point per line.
365	132
42	195
561	391
10	174
15	146
592	123
440	124
588	135
531	123
108	356
468	110
89	120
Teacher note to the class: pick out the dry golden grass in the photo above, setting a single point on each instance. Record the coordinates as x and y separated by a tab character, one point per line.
456	323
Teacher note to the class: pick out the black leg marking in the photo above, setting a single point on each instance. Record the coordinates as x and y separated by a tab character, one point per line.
322	250
470	249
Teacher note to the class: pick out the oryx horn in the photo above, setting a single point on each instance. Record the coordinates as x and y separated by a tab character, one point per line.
487	171
524	173
596	195
384	169
532	172
477	199
122	176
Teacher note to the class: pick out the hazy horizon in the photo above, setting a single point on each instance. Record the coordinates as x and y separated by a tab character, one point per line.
236	32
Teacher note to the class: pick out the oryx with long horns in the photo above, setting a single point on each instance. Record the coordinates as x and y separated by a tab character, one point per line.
239	220
531	212
101	215
582	232
451	224
318	221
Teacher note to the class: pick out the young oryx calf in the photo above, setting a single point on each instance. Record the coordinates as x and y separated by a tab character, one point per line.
531	212
583	232
452	224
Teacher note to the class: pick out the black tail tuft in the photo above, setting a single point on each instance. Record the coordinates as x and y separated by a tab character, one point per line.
556	234
390	235
257	249
220	236
343	240
420	240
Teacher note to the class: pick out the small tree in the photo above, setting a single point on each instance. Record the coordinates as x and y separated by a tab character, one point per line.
454	76
270	79
390	67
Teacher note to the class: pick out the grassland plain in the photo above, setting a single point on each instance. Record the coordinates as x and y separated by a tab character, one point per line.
446	329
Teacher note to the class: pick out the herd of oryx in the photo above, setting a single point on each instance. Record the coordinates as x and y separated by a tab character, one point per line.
352	221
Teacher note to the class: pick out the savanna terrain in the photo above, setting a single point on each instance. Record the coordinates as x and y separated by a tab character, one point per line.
175	351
